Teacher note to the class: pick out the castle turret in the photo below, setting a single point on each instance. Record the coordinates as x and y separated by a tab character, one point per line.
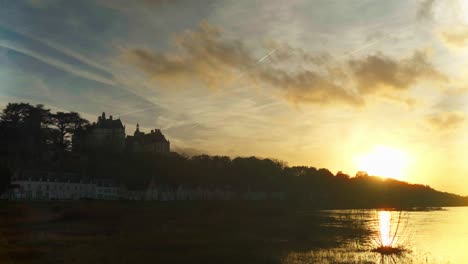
137	131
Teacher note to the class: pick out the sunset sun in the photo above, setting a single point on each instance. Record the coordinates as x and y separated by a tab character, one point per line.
384	161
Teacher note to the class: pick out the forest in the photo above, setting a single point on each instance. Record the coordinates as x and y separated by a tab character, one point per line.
34	138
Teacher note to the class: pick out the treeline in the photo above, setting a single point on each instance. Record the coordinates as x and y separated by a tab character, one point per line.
318	188
32	137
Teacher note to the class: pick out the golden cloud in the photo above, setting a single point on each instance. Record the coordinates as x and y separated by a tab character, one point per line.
201	55
446	120
206	57
377	72
456	37
308	87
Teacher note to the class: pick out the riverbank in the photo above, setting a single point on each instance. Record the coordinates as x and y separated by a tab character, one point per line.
175	232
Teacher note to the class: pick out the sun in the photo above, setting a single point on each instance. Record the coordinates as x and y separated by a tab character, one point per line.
384	161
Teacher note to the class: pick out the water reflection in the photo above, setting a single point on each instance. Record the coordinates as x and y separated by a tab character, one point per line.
389	229
427	236
385	239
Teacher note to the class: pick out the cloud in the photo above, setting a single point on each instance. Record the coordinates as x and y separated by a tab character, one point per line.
378	73
17	47
196	131
425	9
52	47
455	37
188	151
452	29
446	120
308	87
204	57
42	4
122	4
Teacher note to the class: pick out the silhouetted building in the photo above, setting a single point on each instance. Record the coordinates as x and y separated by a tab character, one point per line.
107	134
154	142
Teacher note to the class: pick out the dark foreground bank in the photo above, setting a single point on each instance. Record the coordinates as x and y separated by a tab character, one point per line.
175	232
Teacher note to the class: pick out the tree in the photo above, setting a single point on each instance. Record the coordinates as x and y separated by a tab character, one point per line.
15	113
67	124
23	129
5	176
361	174
18	115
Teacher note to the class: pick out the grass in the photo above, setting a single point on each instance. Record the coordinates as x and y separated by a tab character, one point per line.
175	232
389	250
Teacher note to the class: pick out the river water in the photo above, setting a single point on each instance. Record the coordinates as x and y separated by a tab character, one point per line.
439	236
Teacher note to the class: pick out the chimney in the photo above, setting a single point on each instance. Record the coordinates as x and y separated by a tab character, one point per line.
110	117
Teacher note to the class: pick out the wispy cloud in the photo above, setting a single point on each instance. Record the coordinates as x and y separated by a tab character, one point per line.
202	56
425	10
308	87
377	72
18	47
456	37
446	120
57	47
206	57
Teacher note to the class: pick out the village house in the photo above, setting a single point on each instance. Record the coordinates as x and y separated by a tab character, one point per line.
43	185
107	189
38	185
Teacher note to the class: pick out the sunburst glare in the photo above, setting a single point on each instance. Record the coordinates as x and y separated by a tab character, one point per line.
384	161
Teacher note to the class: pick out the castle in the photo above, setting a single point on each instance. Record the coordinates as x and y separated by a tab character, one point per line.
154	142
108	135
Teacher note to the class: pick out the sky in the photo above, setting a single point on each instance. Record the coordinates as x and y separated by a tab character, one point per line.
351	85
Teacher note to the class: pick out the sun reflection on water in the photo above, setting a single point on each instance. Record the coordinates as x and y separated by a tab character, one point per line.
386	239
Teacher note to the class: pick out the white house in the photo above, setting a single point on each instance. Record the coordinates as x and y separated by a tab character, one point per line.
38	185
107	189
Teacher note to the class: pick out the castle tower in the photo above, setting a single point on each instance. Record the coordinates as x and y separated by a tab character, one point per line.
137	131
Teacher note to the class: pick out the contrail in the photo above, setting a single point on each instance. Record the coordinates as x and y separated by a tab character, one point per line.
271	52
241	74
26	32
266	56
370	44
70	68
233	81
138	110
15	46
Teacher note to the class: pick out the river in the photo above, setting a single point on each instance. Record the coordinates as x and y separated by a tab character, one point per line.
439	236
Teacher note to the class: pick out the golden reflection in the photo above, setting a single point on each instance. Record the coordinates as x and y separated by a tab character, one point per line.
386	239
